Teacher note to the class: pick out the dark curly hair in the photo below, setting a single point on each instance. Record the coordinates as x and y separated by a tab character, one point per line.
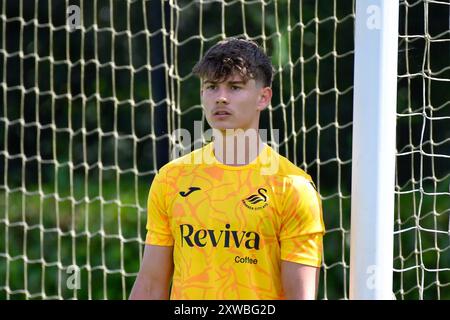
235	55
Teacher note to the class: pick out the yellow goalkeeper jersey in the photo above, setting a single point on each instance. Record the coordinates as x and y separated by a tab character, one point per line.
231	226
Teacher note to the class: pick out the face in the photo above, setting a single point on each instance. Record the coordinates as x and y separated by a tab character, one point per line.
233	103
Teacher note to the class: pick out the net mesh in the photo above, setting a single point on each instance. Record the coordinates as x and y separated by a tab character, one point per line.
422	229
87	116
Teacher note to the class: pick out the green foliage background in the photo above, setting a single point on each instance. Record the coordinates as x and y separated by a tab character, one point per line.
80	112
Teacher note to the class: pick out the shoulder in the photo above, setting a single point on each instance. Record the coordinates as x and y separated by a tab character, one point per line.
289	171
292	182
190	160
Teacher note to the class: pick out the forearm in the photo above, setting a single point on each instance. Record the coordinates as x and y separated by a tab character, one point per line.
149	291
300	282
300	293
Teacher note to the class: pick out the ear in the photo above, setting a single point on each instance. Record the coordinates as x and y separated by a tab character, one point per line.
264	98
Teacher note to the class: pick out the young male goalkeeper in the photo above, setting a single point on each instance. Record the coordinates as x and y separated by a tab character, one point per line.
226	228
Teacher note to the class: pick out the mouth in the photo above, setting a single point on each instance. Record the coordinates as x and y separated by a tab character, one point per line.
221	114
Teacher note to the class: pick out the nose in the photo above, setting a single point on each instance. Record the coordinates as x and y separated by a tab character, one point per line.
221	100
221	97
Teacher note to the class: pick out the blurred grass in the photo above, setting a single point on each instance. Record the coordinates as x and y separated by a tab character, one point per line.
43	236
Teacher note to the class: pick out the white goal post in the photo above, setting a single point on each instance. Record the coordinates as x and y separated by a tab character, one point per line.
373	155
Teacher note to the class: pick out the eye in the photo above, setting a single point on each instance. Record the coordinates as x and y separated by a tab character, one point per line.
210	87
235	88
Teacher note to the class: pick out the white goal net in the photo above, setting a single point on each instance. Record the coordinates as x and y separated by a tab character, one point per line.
92	90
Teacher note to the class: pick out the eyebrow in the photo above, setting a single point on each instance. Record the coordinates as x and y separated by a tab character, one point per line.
230	82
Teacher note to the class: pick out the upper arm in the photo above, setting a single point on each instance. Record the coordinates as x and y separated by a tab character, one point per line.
158	220
302	228
155	273
301	240
156	269
299	281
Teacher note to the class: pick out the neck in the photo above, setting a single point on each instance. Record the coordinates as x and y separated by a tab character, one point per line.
237	147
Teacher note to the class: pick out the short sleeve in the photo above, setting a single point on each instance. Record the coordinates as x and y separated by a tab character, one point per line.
302	227
158	224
